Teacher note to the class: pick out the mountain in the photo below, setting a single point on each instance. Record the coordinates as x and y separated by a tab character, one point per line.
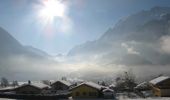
23	62
139	41
10	46
136	40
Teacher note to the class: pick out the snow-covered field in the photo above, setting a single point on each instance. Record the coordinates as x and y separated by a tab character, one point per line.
129	99
114	99
148	99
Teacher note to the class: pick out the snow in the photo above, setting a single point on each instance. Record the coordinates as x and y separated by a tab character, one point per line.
163	98
107	99
91	84
21	83
36	84
106	90
112	85
142	85
64	82
40	85
158	80
7	88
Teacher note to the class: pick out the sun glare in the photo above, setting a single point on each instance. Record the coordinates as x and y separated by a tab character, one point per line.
52	16
52	9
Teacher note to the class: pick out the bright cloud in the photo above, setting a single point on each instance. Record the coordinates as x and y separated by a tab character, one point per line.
129	49
165	40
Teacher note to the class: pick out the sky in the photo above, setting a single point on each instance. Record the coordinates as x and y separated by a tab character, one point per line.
76	22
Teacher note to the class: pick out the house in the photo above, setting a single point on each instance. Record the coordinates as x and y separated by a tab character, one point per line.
60	86
108	93
31	88
7	89
112	86
143	89
144	86
86	90
161	86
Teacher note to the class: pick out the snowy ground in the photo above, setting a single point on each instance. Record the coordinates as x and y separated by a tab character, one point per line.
118	99
129	99
148	99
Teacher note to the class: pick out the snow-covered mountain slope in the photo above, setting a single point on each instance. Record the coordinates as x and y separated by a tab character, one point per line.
136	40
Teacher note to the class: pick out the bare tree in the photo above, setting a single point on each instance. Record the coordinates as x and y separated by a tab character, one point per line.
4	82
127	81
15	83
64	78
47	82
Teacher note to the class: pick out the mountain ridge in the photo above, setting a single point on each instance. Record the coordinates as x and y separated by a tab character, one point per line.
10	46
141	32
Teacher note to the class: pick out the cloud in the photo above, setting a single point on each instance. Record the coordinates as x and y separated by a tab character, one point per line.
23	67
165	46
130	50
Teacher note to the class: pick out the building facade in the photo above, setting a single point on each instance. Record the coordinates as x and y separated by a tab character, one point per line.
161	86
31	88
60	86
86	90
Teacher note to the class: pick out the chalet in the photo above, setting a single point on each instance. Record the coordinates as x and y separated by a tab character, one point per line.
86	90
144	86
31	88
161	86
7	89
112	86
108	93
60	86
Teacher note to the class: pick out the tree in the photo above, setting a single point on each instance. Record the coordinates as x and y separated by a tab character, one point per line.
64	78
126	81
47	82
15	83
130	81
4	82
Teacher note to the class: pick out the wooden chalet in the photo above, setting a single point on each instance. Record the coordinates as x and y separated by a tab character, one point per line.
161	86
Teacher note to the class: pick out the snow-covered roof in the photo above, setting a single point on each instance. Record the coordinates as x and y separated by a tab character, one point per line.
143	84
64	82
40	85
112	85
158	80
108	90
91	84
7	88
37	85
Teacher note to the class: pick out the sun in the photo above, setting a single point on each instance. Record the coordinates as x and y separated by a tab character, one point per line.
52	17
51	9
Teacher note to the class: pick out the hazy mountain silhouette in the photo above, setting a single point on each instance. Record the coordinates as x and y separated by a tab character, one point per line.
10	46
140	40
134	40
